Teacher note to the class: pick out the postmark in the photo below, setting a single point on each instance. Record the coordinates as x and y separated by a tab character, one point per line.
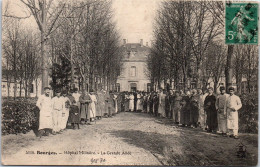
241	23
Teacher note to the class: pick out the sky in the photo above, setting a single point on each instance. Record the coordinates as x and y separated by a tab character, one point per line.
134	18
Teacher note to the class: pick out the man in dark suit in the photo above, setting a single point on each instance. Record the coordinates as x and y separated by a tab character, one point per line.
135	101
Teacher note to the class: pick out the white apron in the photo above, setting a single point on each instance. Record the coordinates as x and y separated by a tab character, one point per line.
131	103
44	103
92	106
65	114
232	115
232	119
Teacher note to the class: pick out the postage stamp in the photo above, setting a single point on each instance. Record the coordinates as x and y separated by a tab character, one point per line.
241	23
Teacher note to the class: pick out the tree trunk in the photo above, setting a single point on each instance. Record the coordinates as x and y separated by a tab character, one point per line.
83	82
20	88
170	83
8	89
72	66
164	83
199	71
44	57
36	85
215	84
229	69
44	63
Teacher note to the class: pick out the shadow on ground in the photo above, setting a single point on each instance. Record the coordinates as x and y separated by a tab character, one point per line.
190	148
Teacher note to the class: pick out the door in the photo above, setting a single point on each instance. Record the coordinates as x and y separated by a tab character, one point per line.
133	87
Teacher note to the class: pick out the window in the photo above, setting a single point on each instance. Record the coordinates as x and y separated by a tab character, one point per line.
31	88
149	86
133	71
118	87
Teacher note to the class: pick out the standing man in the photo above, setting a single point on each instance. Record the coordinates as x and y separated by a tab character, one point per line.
58	108
167	104
76	95
84	100
222	111
92	106
161	109
151	103
155	103
194	113
233	105
210	108
44	103
65	112
171	104
186	110
131	102
201	118
135	100
123	102
204	95
177	108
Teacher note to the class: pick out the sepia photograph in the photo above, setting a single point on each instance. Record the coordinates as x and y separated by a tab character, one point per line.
129	82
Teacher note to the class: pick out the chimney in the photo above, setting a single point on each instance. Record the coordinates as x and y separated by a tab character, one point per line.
141	42
124	41
147	44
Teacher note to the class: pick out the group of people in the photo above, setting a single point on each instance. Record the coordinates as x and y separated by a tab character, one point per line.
73	108
196	108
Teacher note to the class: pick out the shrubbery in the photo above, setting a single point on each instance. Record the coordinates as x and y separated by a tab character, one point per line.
19	116
248	114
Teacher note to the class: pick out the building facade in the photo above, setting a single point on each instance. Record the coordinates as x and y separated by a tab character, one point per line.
133	75
34	91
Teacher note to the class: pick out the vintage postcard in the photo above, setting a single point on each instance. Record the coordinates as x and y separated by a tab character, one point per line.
129	82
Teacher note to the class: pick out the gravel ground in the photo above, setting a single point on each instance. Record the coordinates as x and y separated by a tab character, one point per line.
129	139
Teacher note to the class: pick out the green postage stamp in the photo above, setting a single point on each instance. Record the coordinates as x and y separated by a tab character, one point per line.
241	23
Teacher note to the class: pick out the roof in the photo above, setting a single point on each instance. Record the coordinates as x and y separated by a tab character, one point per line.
135	52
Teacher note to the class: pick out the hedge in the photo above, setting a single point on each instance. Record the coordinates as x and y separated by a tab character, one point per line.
248	114
19	116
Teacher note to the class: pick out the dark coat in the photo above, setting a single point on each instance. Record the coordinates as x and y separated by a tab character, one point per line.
84	100
211	111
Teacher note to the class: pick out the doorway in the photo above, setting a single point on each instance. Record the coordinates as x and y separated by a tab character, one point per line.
133	87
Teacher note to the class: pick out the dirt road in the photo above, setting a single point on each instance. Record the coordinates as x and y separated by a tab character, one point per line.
128	139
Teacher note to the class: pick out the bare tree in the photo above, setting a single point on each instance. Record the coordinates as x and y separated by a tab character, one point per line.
245	65
45	16
11	47
214	64
88	39
217	8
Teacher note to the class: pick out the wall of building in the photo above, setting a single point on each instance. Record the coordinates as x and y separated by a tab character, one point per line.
134	67
33	92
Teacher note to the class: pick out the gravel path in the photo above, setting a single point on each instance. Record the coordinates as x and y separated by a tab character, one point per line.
128	139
